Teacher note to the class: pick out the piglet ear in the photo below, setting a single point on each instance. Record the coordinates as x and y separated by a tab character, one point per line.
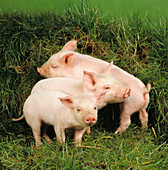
100	98
67	101
109	67
70	46
67	58
89	80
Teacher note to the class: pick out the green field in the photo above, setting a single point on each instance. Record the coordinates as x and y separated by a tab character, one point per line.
115	8
133	42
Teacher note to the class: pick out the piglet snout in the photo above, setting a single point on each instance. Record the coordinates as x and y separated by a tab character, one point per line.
90	120
40	71
127	93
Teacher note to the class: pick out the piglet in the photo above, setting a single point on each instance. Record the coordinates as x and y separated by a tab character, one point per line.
62	111
91	84
67	63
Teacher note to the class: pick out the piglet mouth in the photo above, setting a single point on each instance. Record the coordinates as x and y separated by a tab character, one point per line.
41	72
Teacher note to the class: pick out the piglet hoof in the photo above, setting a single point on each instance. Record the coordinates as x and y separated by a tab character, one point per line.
47	139
59	140
116	132
119	130
77	144
144	126
38	145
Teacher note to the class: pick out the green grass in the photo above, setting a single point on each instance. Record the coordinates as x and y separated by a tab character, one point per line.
135	44
101	150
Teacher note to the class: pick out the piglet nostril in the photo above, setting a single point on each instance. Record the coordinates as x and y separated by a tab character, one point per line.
94	120
87	121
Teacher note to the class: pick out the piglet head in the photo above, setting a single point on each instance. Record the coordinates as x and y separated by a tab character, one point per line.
84	108
59	64
99	83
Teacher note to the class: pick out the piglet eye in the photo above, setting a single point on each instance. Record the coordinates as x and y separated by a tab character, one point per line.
95	108
54	66
107	87
78	109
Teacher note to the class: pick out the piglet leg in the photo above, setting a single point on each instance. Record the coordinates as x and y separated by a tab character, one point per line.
60	133
37	137
125	121
45	134
143	116
78	136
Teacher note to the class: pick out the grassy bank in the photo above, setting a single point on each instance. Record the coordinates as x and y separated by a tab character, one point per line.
134	44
